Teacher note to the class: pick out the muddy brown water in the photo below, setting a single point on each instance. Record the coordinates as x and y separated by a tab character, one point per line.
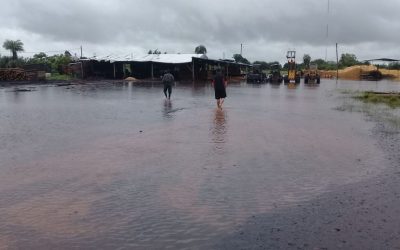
115	166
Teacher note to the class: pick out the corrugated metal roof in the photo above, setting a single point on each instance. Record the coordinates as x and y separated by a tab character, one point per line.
161	58
383	59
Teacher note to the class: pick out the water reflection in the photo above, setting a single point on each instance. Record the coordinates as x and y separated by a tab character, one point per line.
292	86
257	86
219	129
275	86
17	96
199	89
311	86
167	111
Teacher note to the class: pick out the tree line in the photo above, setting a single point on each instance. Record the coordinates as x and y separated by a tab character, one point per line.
55	63
346	60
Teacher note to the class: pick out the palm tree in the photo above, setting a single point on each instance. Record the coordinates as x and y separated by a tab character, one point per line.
201	49
14	47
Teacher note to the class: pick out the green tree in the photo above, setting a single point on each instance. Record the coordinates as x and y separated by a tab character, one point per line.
54	64
263	65
155	52
41	55
8	62
394	65
40	58
201	49
268	65
347	60
324	65
274	65
67	53
60	62
319	62
4	61
14	47
306	60
240	59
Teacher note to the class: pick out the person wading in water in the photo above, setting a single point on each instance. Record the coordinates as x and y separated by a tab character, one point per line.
219	84
168	79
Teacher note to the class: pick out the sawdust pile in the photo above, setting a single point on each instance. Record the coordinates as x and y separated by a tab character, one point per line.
390	73
355	72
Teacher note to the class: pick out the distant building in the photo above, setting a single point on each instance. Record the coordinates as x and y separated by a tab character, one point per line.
152	66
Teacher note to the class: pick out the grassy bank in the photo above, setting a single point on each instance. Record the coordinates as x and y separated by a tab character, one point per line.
390	99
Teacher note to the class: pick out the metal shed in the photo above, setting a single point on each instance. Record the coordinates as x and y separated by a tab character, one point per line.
152	66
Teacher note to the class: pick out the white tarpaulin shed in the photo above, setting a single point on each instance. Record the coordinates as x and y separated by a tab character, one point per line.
161	58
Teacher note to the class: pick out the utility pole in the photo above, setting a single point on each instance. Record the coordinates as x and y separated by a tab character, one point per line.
337	62
327	32
81	51
241	48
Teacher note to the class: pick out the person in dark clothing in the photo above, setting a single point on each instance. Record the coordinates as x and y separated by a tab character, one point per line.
219	84
168	79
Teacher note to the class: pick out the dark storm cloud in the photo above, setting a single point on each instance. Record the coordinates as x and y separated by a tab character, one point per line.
178	25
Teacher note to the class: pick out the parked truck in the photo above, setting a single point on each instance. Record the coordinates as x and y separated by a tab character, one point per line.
256	75
311	75
275	74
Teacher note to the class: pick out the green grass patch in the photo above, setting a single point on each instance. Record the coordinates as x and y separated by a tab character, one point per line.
390	99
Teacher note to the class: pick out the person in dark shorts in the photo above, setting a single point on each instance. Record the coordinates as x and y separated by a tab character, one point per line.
219	84
168	79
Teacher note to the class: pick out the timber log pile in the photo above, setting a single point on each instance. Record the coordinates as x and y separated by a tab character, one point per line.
12	74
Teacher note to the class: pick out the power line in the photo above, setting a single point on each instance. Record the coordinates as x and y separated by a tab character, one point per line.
50	51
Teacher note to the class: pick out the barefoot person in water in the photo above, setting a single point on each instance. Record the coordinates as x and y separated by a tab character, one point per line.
168	79
219	84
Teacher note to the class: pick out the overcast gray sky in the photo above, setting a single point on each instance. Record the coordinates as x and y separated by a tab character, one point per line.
266	28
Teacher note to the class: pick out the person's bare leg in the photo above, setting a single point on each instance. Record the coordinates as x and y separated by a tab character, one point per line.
221	101
165	92
218	103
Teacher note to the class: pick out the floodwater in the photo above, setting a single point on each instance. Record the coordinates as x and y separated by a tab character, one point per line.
115	166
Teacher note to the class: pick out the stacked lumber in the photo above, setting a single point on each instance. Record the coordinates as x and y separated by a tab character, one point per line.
12	74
